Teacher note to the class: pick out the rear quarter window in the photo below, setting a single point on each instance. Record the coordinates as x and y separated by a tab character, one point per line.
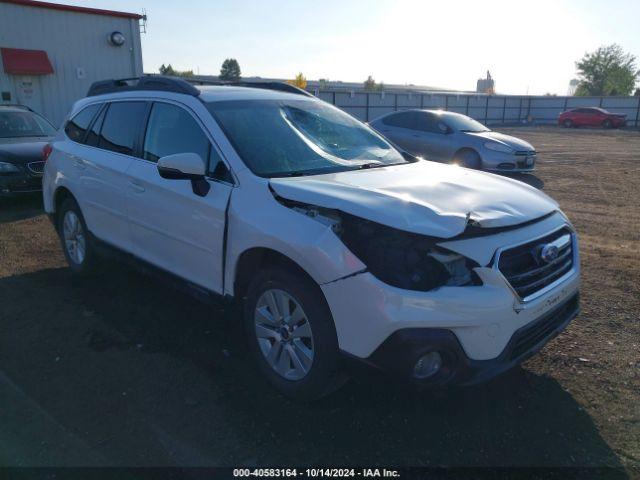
76	128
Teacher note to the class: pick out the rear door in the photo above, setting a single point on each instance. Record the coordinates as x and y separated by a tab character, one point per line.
110	145
171	226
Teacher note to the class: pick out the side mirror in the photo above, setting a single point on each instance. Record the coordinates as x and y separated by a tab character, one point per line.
185	166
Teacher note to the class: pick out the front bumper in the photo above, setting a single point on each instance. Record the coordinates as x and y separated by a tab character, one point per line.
400	352
19	183
505	162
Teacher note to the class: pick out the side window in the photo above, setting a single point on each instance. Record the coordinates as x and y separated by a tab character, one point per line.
172	130
93	137
120	126
77	126
431	123
402	120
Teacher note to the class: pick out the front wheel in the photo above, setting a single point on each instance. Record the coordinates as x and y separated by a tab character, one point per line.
607	123
468	159
291	334
567	123
74	237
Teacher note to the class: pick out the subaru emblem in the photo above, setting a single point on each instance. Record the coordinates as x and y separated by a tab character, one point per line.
548	253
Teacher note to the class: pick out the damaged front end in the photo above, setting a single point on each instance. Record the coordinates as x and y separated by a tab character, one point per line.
401	259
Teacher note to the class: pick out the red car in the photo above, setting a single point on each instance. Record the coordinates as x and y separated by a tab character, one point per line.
592	117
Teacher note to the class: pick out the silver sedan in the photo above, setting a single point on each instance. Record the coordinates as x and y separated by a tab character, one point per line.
452	137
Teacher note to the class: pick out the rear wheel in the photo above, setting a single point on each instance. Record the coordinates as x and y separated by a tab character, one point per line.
567	123
468	158
607	123
291	334
72	229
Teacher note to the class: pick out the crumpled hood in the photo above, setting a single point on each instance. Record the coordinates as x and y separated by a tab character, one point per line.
424	197
508	140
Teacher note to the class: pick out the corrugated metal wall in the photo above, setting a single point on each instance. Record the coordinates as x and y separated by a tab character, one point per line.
72	41
494	109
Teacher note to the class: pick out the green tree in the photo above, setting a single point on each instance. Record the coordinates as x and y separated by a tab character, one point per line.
230	71
171	72
369	84
607	71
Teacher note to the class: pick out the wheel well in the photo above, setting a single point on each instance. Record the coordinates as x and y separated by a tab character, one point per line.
465	149
260	258
60	195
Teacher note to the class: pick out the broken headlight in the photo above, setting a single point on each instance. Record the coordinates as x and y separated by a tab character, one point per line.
405	260
401	259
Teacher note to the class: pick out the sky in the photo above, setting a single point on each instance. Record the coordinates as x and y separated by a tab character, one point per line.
529	46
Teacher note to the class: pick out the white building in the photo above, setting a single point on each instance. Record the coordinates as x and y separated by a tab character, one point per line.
51	53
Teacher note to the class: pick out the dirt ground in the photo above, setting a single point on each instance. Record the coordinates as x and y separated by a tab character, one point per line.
120	370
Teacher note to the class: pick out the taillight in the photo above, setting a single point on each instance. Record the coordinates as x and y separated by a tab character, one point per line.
46	151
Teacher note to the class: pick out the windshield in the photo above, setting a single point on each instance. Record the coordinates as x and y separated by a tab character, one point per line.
24	124
300	137
463	123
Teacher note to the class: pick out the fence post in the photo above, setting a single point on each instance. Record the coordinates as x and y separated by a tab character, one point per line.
520	110
486	110
395	102
638	112
466	110
367	110
504	108
334	98
421	101
446	103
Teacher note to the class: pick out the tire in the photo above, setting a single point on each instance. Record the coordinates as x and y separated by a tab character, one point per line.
76	245
607	123
468	159
567	123
274	349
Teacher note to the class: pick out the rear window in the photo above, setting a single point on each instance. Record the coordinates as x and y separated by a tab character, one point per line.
15	124
76	128
121	126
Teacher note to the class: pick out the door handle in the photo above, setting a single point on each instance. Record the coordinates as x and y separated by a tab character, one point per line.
136	186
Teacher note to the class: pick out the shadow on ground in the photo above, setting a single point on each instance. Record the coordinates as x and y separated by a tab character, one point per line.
528	178
20	208
128	372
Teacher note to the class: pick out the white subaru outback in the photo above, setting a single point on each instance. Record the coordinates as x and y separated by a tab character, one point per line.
338	246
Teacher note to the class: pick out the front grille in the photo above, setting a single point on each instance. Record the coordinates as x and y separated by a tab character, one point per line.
526	153
526	270
531	335
36	168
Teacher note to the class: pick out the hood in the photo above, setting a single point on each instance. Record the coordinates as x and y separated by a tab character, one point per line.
423	197
513	142
22	150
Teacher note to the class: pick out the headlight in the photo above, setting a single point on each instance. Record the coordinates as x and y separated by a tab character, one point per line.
401	259
8	167
498	147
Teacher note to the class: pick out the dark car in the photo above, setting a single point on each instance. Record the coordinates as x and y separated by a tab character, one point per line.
23	136
591	117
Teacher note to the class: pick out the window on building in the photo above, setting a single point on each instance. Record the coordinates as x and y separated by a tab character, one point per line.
77	126
121	125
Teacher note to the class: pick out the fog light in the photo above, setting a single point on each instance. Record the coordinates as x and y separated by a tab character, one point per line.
427	365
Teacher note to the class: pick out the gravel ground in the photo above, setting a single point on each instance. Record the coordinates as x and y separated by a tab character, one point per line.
120	370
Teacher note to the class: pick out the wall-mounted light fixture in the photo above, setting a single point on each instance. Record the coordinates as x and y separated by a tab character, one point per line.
116	39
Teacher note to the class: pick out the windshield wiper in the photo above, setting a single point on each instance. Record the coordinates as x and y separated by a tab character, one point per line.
366	166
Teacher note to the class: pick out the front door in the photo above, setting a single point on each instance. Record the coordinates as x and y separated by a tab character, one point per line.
28	93
171	226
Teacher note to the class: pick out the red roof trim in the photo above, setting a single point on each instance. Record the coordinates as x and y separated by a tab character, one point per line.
17	61
73	8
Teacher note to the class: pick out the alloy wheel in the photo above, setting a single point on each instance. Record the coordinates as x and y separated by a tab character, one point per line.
284	334
74	238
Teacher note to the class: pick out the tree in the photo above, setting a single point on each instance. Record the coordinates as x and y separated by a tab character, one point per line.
300	81
170	71
607	71
369	84
230	71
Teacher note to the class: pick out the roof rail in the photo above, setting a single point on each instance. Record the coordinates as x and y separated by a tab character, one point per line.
278	86
147	82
